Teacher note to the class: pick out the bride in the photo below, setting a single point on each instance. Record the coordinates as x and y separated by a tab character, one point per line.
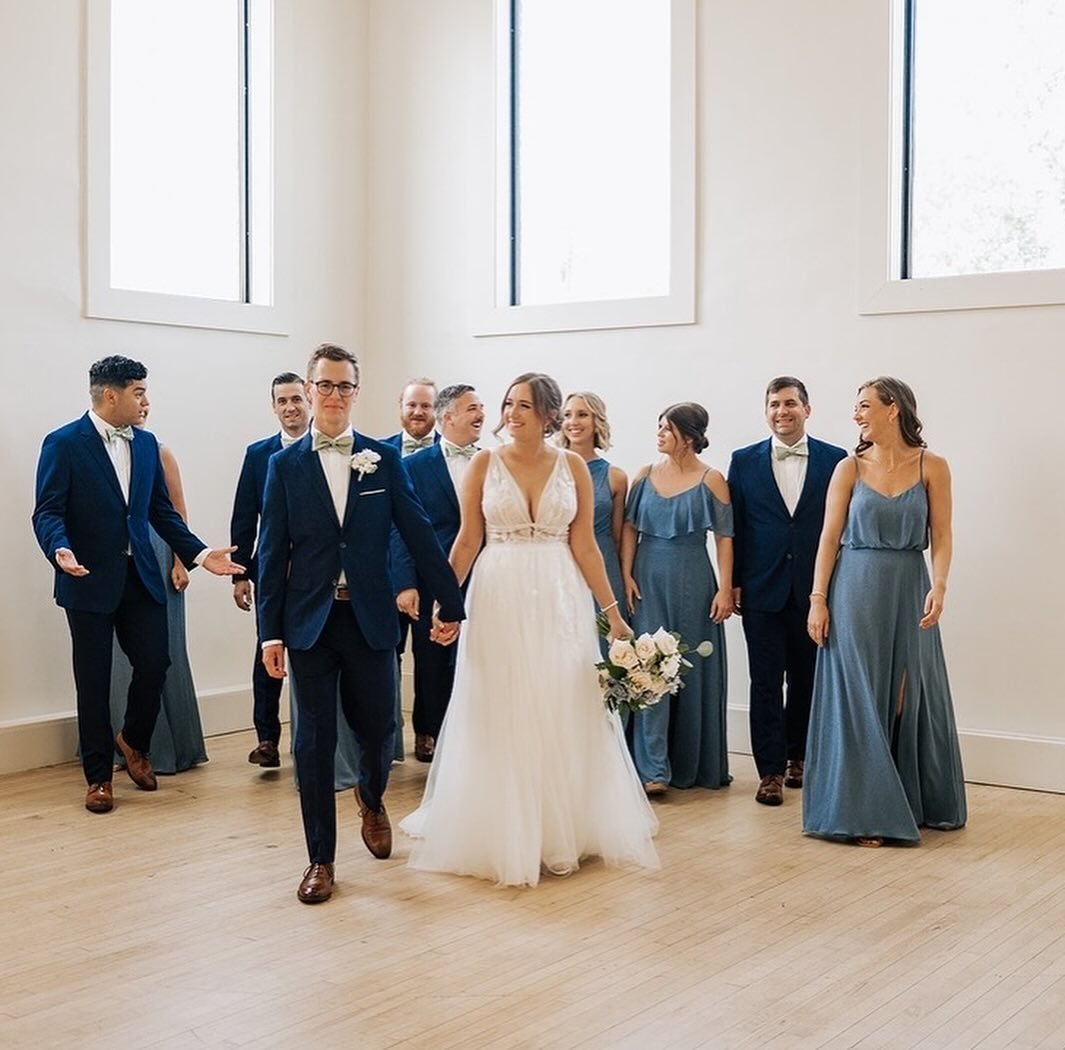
530	772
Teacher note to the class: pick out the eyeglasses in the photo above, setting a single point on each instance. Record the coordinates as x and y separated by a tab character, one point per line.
326	386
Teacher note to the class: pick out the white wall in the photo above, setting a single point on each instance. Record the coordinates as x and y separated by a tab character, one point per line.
780	131
210	390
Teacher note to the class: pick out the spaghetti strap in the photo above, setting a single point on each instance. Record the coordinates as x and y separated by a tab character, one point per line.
921	467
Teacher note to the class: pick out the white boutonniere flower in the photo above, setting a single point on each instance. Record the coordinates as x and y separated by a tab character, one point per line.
365	462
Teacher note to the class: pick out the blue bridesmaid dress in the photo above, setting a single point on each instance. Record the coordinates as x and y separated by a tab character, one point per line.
604	533
882	757
681	740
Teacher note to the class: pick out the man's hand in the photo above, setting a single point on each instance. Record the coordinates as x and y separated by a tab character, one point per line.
65	559
219	562
443	633
242	594
407	602
274	660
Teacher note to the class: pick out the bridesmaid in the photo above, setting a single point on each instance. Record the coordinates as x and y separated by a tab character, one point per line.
670	582
177	743
586	431
882	757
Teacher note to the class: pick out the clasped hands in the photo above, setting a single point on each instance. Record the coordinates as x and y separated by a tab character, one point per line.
442	632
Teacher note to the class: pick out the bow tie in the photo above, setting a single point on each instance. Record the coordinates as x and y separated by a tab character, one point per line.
800	448
412	444
463	451
114	433
344	443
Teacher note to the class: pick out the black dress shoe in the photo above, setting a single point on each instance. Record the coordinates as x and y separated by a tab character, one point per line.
316	886
424	746
793	774
265	754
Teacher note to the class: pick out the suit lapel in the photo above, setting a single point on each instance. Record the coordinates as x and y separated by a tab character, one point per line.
815	468
312	468
443	475
767	480
353	495
94	443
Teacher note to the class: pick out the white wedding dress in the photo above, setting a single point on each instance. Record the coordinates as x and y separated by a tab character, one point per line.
530	769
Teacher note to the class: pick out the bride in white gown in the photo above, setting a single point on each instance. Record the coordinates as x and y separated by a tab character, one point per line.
531	772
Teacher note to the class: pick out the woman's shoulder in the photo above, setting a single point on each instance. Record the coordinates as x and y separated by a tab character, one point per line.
617	477
935	466
642	474
715	481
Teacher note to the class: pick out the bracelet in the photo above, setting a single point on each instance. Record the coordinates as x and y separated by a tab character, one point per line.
819	594
607	608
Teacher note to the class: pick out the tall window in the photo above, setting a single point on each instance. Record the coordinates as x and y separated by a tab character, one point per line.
985	149
180	160
595	225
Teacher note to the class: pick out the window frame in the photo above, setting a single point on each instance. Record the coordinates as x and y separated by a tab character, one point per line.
882	206
498	315
101	299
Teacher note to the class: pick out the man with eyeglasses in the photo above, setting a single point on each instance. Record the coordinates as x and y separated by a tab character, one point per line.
100	485
325	594
288	399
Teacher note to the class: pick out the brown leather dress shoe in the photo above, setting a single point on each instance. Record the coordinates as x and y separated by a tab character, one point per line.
770	790
316	885
99	798
424	746
138	766
265	755
793	774
376	829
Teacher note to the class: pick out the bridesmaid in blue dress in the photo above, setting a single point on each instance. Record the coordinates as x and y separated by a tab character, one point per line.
586	431
882	759
177	743
670	582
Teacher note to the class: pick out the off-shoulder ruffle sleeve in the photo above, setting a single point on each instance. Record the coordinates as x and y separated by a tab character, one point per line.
696	510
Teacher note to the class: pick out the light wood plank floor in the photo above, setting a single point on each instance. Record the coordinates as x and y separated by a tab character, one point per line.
172	923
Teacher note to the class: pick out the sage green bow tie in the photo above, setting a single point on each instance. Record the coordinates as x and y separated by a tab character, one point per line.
413	444
465	451
114	433
343	444
798	449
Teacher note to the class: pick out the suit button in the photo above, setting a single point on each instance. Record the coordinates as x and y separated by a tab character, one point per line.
788	557
343	545
334	583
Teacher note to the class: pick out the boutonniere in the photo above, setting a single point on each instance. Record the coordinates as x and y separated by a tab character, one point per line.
365	462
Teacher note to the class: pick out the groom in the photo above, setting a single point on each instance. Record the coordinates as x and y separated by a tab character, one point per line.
325	594
778	489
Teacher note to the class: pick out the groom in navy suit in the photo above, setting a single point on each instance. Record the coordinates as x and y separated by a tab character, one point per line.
436	474
778	489
99	486
288	399
325	594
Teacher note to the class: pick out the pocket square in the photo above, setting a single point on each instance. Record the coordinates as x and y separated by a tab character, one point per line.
371	492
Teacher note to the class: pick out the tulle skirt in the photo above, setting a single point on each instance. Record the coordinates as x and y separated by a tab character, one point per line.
531	770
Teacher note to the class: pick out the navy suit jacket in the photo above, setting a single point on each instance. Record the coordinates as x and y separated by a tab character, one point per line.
428	473
303	548
80	506
774	550
248	502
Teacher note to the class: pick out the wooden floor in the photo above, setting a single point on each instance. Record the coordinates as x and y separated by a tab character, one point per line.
173	923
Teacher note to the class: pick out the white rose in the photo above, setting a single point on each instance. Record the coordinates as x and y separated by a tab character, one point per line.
643	682
645	648
622	654
667	644
670	666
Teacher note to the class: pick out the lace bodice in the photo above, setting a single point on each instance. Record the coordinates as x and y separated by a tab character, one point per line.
506	513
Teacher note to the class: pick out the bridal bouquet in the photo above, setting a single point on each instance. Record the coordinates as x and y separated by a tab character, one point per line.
638	672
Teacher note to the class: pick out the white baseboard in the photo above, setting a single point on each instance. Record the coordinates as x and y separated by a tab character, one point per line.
1002	759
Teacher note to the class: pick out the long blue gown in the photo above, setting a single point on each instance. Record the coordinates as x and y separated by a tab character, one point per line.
604	531
177	743
681	740
871	770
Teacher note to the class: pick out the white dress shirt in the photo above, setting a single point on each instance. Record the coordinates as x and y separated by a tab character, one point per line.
117	451
456	465
790	473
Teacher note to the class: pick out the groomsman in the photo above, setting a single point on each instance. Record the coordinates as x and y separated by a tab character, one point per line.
416	418
325	594
436	474
778	489
99	486
288	399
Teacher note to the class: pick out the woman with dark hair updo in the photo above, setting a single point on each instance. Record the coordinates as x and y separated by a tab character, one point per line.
670	582
882	757
585	430
531	772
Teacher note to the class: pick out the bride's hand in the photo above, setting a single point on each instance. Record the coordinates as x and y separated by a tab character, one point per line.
618	627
